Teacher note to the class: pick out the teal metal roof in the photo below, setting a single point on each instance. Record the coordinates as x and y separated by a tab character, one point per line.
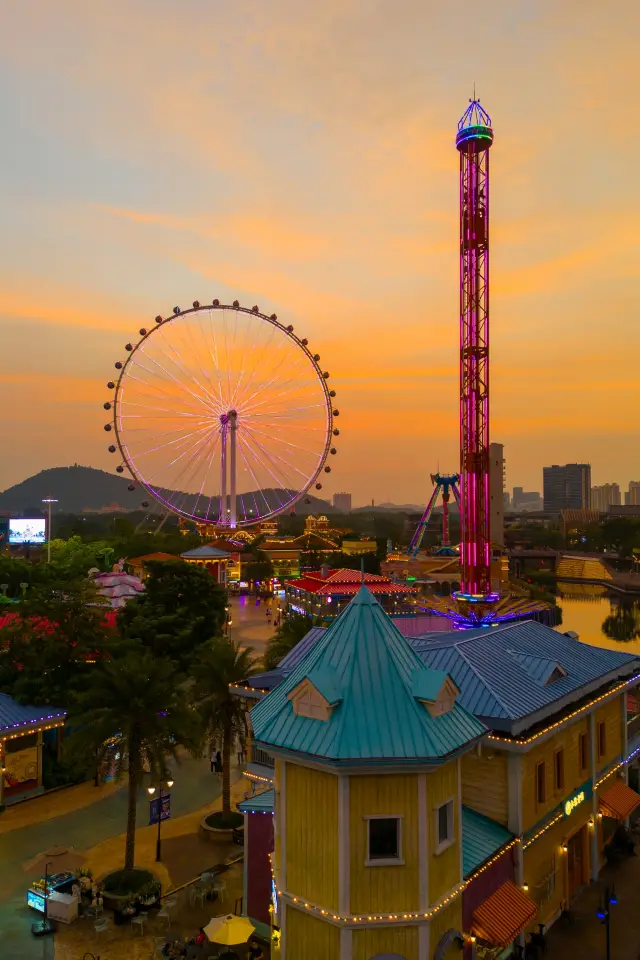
373	673
261	803
481	837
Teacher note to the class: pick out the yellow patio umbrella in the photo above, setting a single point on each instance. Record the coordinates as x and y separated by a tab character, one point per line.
230	930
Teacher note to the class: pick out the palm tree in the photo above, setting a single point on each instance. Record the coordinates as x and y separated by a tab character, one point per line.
289	633
134	702
221	663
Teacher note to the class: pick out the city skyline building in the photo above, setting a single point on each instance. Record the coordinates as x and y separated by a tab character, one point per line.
632	496
525	501
342	502
496	492
604	496
566	487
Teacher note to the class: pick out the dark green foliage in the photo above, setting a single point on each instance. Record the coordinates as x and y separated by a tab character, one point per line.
219	821
289	633
181	608
259	570
136	697
219	664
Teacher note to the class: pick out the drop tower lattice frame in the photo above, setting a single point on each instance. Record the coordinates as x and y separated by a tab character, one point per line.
473	141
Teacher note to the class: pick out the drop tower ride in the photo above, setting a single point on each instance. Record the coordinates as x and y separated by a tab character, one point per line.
473	142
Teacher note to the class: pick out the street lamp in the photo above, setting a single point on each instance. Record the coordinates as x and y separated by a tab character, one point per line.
151	791
604	914
49	501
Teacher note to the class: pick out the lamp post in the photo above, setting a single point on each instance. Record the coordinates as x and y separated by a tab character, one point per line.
151	791
604	915
228	622
49	501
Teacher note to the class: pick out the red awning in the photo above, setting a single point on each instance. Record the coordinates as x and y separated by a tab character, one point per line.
503	915
619	801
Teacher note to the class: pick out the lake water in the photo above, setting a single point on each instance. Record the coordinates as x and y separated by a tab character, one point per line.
599	618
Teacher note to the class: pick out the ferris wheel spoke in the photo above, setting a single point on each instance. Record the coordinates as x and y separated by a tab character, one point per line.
265	466
287	468
174	379
189	375
246	403
214	355
183	475
179	440
264	350
197	357
269	462
206	475
257	485
244	363
164	396
269	436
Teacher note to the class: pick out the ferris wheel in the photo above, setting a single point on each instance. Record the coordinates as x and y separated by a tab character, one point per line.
222	415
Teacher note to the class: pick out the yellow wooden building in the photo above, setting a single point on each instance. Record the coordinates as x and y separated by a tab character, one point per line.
368	745
404	769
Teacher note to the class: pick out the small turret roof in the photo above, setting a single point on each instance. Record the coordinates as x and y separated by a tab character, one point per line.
376	686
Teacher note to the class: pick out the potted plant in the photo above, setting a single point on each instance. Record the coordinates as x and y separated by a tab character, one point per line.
124	913
149	894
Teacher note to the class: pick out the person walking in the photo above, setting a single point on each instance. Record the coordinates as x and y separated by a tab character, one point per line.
218	762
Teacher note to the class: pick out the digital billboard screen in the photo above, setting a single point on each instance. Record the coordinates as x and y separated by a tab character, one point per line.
27	531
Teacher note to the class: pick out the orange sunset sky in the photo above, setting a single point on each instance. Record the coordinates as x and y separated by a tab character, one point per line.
300	155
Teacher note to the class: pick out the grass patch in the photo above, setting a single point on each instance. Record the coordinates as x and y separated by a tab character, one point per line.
121	882
219	822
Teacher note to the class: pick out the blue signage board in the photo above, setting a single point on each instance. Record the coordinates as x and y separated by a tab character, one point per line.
35	901
577	798
156	812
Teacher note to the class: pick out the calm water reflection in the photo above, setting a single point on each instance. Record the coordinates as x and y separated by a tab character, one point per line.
600	618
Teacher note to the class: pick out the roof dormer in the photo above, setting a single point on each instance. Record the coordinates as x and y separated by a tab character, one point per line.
315	696
436	690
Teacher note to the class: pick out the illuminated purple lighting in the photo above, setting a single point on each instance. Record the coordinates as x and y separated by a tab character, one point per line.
473	141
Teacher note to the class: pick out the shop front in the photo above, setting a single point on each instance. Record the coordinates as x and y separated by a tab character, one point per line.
22	733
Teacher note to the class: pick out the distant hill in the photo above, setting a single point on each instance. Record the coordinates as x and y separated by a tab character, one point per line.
84	489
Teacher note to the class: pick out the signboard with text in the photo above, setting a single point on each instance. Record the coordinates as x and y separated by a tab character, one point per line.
577	798
159	808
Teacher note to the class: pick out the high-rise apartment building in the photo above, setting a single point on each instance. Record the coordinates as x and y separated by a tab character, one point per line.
342	502
567	487
496	492
632	497
526	501
604	496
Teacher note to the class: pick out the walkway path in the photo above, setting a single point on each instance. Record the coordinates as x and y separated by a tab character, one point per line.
194	788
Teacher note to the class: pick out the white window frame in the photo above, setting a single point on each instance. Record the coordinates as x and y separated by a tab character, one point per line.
440	846
386	861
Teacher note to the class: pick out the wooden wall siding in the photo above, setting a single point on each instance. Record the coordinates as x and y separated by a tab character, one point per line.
611	714
307	938
277	779
568	740
311	810
485	785
448	919
545	853
444	868
369	943
384	889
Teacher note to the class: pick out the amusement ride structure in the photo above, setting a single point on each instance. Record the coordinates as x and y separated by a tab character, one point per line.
476	603
222	415
442	485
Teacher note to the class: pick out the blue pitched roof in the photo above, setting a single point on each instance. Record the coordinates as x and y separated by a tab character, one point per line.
372	668
481	837
497	686
540	669
300	650
15	717
260	803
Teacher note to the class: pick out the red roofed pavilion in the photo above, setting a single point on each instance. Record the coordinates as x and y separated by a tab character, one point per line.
323	593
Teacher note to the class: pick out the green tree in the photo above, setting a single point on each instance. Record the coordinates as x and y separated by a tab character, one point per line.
288	634
258	570
181	608
221	663
138	699
74	558
57	632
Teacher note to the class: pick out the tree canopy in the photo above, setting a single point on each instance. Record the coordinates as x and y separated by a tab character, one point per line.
181	608
288	634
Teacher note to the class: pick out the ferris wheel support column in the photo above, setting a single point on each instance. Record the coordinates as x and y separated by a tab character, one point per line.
233	424
222	511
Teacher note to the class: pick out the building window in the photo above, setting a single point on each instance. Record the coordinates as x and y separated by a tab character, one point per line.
559	769
309	703
541	783
384	841
444	826
583	744
602	738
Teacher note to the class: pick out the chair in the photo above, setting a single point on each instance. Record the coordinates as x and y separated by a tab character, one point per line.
220	887
197	894
158	946
139	922
170	903
164	915
101	926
